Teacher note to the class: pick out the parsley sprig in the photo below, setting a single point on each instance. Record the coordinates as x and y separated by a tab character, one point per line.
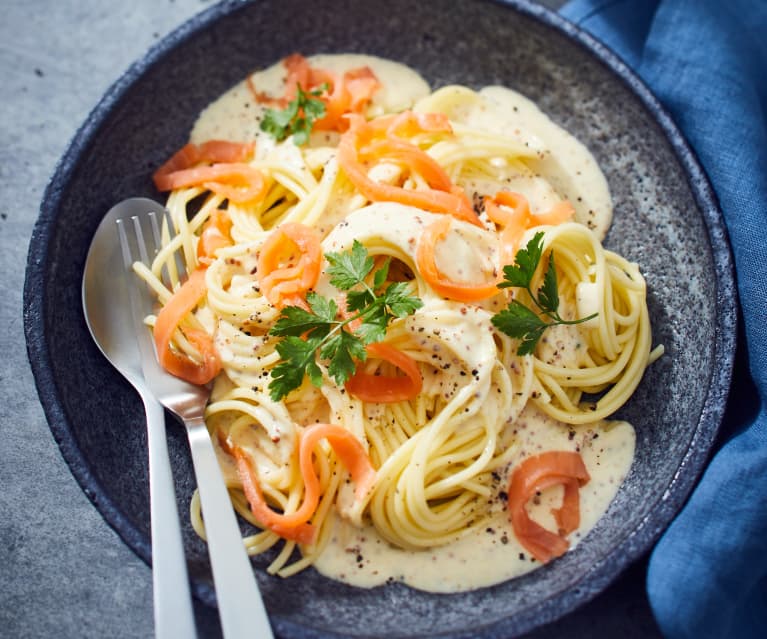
320	331
519	321
298	117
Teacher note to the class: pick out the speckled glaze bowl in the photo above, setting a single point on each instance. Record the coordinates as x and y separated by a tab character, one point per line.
666	219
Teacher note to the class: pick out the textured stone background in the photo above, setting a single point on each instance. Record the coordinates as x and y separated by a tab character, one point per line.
64	572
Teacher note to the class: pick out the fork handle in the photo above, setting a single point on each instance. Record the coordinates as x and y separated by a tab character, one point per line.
173	613
240	606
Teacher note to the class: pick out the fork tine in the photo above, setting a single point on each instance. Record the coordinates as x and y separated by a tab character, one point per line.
165	271
140	239
174	269
155	231
124	244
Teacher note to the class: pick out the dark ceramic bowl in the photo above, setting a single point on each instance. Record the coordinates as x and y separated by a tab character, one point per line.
666	219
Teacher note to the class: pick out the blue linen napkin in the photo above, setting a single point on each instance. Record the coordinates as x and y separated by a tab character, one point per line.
706	60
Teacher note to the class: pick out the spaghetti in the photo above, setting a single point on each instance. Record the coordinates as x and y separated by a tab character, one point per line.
444	431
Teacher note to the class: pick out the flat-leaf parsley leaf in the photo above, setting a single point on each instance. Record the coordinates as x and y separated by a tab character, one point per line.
320	332
298	118
519	321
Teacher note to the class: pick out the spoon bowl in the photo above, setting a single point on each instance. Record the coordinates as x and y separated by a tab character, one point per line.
106	299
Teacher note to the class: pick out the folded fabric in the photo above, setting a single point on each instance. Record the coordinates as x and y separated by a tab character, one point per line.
706	60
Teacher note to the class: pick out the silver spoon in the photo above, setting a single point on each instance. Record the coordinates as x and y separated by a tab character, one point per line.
106	304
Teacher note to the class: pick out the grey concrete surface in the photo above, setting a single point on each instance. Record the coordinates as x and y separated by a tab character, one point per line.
63	571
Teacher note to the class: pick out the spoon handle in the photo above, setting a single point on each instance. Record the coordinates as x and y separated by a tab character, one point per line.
240	606
173	613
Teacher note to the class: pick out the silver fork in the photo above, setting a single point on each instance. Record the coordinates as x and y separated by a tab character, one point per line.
241	608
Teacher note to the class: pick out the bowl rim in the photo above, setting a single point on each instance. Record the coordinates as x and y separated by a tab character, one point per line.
601	574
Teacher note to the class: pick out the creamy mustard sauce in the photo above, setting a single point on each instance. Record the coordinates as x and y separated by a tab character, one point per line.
572	171
561	167
237	116
490	554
